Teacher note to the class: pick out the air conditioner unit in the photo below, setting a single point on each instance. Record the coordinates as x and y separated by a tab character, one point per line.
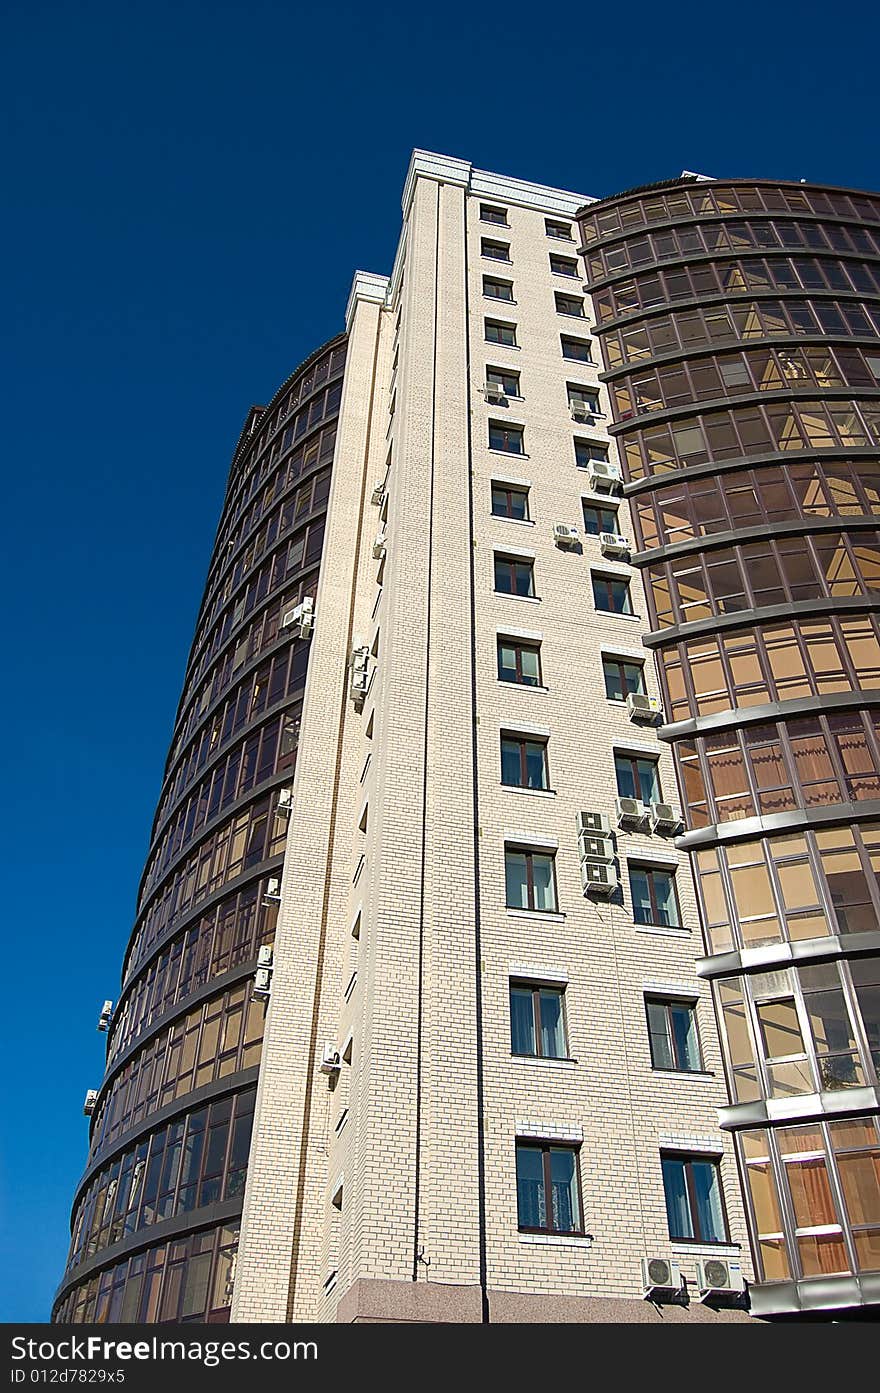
285	800
272	892
89	1102
379	547
378	495
660	1277
329	1060
265	956
601	474
106	1013
262	982
631	812
719	1277
493	391
643	708
300	618
598	877
360	675
564	535
664	818
594	847
613	544
580	411
593	822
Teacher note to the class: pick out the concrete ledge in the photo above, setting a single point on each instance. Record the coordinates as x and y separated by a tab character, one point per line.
372	1300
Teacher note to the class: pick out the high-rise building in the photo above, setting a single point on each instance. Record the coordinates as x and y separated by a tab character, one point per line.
417	1016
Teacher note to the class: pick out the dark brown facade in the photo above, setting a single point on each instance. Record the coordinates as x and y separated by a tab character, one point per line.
157	1211
740	332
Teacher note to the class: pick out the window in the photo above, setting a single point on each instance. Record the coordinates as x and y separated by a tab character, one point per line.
563	265
537	1021
547	1172
497	251
694	1205
489	213
523	762
514	575
587	450
672	1032
507	382
562	230
598	519
530	879
611	594
510	502
654	896
578	350
570	304
638	777
519	662
622	677
498	290
506	438
582	399
496	332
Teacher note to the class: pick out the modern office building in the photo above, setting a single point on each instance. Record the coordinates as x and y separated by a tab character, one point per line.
417	1018
740	331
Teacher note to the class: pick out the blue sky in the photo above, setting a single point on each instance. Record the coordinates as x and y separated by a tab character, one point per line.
187	191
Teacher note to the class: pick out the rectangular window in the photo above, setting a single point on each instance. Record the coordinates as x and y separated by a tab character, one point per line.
489	213
509	502
547	1188
587	450
507	382
563	265
638	777
562	230
583	399
622	677
498	290
537	1021
570	304
496	332
611	594
514	575
694	1207
672	1032
654	896
496	251
506	438
523	762
578	350
598	519
519	662
530	879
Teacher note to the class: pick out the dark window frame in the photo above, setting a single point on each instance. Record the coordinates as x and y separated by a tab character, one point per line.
512	562
545	1146
487	242
509	490
608	581
608	660
524	984
558	236
503	327
504	373
649	871
509	433
490	287
522	740
566	340
597	509
669	1003
530	852
706	1158
495	221
569	262
519	647
633	761
561	299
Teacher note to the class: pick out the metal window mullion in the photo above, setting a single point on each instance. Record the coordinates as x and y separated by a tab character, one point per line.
853	1006
536	1013
530	880
548	1190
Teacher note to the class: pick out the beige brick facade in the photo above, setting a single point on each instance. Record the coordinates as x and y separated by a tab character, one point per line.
395	946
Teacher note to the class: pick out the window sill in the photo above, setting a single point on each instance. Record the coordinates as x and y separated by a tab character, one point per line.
526	599
682	1073
700	1248
532	792
633	618
547	916
493	343
497	299
542	1060
663	931
558	1240
519	522
508	454
520	686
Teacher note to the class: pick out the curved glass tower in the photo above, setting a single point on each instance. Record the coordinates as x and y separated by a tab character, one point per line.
740	332
156	1214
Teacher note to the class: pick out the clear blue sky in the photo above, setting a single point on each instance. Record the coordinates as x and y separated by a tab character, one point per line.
187	191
